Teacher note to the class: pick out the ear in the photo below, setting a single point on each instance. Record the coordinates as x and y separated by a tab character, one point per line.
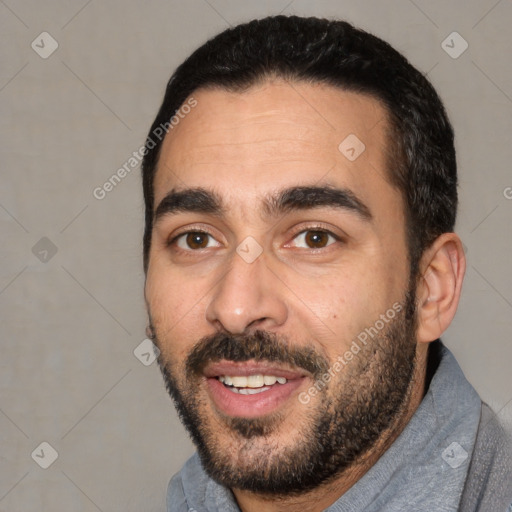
442	269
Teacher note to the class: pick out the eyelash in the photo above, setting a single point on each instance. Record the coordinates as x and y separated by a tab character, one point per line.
317	228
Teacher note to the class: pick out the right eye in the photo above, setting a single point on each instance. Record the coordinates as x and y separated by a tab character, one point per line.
194	240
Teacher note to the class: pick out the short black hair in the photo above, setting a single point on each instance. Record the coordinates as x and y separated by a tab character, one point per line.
421	153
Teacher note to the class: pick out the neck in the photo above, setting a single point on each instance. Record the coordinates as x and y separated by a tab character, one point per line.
321	498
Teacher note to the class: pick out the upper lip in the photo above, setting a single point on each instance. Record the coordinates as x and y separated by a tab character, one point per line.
248	368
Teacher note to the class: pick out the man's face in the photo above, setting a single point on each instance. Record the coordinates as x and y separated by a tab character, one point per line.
274	250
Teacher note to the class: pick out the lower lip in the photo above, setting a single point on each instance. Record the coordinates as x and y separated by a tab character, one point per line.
251	406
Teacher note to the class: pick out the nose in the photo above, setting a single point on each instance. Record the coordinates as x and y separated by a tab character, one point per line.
248	296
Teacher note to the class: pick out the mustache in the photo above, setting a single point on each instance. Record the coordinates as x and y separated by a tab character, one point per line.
260	346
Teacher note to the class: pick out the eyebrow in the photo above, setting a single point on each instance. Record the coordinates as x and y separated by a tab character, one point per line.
201	200
197	200
309	197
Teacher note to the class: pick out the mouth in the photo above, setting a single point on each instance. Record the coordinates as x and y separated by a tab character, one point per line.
250	389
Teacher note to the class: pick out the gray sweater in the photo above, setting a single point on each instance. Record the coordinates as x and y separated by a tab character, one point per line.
453	455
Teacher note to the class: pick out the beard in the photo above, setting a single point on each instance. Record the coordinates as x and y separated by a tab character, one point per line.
346	419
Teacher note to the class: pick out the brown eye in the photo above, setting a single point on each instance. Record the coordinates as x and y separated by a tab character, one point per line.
317	239
314	239
195	240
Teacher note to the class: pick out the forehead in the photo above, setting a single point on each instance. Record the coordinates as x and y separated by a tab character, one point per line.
276	135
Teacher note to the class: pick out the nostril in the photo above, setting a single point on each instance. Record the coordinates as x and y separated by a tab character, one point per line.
257	322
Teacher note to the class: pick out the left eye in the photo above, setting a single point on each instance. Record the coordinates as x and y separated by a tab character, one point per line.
314	239
195	240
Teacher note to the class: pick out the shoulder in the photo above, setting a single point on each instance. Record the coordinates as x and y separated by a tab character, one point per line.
493	443
489	481
176	501
184	485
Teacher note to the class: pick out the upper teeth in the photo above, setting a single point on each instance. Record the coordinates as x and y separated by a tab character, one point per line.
251	381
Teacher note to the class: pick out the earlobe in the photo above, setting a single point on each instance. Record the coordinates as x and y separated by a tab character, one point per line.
442	269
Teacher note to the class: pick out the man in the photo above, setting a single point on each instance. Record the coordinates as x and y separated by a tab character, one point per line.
301	266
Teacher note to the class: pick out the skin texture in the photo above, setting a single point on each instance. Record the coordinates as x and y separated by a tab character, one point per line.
245	146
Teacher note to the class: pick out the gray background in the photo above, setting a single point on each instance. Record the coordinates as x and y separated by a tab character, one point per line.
71	319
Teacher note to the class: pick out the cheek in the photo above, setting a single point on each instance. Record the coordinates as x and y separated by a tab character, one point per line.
329	308
340	306
174	303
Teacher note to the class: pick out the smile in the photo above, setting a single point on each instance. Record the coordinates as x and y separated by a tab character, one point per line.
251	385
251	389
